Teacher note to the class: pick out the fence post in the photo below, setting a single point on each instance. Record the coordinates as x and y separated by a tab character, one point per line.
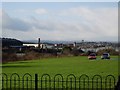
117	87
36	81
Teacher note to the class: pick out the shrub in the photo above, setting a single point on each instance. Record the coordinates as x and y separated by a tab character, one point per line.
67	51
75	52
9	57
31	55
111	51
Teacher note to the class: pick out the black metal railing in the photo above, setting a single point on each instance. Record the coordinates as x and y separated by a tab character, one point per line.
46	82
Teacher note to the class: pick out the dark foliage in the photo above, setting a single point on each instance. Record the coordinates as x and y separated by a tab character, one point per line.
7	42
111	51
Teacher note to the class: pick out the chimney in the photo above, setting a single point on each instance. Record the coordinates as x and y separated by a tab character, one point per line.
74	44
38	42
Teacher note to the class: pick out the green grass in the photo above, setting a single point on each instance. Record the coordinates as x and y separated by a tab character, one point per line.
66	65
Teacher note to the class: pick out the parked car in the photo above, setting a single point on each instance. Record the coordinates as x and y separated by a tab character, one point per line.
92	56
105	56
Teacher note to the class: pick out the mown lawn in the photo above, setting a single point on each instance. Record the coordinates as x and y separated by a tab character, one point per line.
78	66
67	65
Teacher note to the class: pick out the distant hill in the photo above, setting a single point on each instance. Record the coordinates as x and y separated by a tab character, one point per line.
47	41
7	42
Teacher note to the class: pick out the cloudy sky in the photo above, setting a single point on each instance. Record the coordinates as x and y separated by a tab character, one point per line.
91	21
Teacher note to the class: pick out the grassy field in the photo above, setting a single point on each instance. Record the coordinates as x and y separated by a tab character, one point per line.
66	65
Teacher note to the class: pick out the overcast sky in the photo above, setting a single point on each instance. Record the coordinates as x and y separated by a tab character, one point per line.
91	21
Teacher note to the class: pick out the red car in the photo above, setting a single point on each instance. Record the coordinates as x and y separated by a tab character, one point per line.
92	56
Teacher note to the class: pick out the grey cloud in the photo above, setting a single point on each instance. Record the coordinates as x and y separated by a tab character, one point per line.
14	23
21	25
89	24
40	24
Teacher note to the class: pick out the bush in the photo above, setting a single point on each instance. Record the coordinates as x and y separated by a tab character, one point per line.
9	57
67	51
75	52
31	55
111	51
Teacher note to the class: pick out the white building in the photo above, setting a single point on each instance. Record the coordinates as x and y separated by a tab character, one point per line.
35	45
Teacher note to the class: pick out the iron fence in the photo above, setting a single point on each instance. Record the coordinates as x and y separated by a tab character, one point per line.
57	82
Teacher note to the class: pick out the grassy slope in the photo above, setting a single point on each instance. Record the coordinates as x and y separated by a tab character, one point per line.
65	66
